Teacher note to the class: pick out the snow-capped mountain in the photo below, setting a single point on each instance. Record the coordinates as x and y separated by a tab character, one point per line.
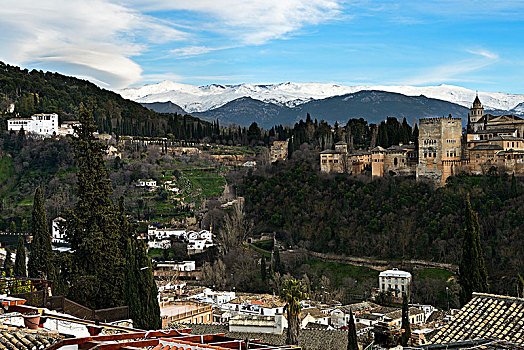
203	98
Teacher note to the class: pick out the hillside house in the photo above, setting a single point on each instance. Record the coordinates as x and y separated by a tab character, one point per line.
395	281
58	232
40	124
148	183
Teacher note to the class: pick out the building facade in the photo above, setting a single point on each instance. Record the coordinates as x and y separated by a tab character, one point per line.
395	281
40	124
278	151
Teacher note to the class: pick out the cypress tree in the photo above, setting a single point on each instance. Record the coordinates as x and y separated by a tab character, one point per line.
8	263
277	266
41	250
519	286
20	268
263	268
139	289
514	191
406	329
352	333
92	227
472	271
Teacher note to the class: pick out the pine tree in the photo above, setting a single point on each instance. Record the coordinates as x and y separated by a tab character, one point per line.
8	263
352	333
472	271
20	269
92	227
40	258
406	328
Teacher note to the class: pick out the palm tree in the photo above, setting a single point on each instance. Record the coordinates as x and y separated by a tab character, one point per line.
292	293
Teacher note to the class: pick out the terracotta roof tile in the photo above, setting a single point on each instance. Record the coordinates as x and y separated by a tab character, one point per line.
486	316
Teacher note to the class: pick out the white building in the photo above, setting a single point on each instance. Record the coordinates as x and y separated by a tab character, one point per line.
178	266
40	124
396	281
258	324
198	245
216	298
197	241
146	183
58	233
159	244
67	127
163	233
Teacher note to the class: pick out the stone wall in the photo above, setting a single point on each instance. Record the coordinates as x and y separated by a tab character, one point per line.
309	339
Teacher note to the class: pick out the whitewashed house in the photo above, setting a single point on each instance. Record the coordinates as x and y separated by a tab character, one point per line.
57	232
157	233
186	266
258	324
149	183
159	244
40	124
396	281
216	298
67	127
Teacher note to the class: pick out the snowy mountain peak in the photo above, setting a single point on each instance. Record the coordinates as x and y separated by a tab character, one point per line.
202	98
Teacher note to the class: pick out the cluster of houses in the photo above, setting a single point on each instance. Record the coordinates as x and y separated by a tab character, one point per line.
486	318
58	325
162	238
443	149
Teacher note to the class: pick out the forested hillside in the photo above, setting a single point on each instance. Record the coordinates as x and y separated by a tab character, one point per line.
47	92
391	218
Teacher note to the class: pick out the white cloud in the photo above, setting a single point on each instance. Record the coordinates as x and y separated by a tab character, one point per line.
253	21
455	71
484	53
92	39
190	51
99	39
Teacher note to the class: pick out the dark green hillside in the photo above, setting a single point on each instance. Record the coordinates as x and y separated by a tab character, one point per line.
392	218
46	92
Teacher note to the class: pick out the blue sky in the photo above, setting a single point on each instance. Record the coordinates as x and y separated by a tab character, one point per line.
472	43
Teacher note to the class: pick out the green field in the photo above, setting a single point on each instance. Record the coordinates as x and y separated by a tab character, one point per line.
435	274
338	272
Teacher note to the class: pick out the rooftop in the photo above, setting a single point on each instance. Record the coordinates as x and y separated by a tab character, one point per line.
13	338
395	273
486	316
262	300
358	307
487	148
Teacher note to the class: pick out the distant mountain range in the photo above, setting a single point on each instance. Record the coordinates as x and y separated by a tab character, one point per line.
287	103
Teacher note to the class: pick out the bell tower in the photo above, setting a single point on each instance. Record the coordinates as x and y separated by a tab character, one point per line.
477	111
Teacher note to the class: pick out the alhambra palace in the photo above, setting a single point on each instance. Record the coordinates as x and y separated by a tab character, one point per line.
443	150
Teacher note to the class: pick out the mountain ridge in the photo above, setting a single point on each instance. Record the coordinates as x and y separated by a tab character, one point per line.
207	97
373	106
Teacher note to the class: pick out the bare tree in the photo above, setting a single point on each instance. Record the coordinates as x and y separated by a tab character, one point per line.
235	230
215	274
